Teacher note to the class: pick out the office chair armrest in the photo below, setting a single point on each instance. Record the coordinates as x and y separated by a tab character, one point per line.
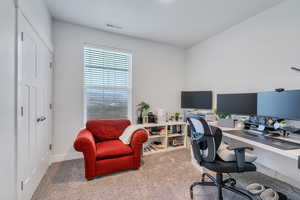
240	156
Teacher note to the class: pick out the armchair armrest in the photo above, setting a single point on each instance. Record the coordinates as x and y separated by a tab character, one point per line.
138	137
240	155
85	143
136	144
137	140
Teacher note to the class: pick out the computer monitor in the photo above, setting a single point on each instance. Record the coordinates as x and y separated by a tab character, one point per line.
239	104
285	105
196	99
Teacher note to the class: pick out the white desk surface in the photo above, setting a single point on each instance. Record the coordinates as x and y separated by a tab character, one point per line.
293	154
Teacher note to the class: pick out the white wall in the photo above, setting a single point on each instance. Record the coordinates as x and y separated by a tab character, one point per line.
37	13
157	77
7	105
252	56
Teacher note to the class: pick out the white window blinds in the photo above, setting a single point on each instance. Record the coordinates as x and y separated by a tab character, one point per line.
106	84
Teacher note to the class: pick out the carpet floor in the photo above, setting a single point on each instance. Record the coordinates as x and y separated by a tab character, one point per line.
163	176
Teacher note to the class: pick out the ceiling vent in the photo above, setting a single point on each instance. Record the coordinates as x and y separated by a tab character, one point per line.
113	26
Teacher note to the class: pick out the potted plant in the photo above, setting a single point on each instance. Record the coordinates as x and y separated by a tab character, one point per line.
220	115
141	107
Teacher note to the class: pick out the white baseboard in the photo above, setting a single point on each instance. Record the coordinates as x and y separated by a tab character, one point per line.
64	157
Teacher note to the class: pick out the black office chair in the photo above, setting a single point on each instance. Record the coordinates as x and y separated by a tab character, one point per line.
205	143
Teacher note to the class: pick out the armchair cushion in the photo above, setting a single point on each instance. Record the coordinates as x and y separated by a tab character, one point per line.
112	149
107	129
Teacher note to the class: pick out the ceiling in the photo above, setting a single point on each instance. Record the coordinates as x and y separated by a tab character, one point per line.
177	22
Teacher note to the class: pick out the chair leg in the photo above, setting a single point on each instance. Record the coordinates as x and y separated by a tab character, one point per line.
227	184
220	185
200	183
208	176
238	191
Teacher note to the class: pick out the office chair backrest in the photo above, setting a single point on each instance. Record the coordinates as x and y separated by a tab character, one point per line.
204	141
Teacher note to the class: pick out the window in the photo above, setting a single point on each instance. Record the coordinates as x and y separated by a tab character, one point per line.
107	85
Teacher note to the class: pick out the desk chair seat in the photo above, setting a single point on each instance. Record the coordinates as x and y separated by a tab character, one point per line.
205	144
227	167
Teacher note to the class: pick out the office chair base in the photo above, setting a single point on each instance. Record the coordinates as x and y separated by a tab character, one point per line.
228	184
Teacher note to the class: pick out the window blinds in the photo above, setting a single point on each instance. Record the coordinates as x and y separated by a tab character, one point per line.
106	84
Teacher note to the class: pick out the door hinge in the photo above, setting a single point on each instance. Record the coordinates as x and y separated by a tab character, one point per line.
50	147
50	106
22	111
22	185
22	36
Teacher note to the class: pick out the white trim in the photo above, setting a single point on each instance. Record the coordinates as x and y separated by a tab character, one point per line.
130	77
64	157
107	48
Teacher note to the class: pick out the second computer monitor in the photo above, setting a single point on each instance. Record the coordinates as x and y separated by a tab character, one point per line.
239	104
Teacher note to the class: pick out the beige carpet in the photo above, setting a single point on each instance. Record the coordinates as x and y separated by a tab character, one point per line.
164	176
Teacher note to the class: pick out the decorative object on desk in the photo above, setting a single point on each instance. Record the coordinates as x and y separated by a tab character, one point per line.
152	118
280	123
261	127
240	124
141	107
177	114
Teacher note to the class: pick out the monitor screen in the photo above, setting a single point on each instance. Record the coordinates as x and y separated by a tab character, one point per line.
285	105
196	99
239	104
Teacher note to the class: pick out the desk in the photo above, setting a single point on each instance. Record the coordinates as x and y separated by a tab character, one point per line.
292	154
277	163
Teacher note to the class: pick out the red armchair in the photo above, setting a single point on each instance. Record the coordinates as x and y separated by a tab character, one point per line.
103	152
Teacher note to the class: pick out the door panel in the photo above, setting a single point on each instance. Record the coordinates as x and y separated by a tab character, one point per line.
34	128
29	68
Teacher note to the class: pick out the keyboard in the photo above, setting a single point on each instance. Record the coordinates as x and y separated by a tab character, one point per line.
257	137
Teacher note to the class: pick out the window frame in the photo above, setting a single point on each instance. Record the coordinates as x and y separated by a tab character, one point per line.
130	77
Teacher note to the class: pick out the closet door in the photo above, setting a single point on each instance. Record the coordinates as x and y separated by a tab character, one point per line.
44	104
33	106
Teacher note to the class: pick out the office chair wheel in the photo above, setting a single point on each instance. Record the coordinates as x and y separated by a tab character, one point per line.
230	181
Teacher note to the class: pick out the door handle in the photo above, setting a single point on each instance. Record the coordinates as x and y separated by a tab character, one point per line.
43	118
40	119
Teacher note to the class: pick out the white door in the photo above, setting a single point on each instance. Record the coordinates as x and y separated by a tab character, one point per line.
33	106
